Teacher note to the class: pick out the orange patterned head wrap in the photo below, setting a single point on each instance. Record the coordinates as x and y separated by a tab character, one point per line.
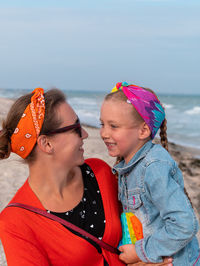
28	129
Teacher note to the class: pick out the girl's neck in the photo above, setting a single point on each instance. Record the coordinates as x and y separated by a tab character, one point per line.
135	150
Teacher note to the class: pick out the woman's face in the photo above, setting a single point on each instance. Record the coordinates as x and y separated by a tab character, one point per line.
68	146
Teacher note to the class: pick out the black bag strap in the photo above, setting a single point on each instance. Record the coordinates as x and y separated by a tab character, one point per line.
66	223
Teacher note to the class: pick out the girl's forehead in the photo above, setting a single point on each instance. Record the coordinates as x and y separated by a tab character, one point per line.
116	104
117	110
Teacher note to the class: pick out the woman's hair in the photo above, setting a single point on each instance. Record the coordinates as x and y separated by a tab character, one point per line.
53	98
119	95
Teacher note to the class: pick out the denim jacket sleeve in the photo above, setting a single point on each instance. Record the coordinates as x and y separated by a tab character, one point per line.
179	221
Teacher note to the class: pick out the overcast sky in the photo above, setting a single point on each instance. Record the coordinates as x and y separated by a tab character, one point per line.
92	44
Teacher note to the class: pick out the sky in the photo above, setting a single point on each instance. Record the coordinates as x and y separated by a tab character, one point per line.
92	45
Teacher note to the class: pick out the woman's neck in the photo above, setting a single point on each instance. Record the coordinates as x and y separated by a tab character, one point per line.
57	189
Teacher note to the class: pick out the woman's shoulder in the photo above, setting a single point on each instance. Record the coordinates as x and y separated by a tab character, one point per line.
101	169
10	213
14	221
13	215
97	163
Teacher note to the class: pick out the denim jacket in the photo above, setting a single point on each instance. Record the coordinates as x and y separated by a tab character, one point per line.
151	186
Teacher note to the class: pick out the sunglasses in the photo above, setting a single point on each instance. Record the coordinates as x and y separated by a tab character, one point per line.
76	126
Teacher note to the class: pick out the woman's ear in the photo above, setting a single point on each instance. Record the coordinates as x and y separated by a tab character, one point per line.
44	144
144	131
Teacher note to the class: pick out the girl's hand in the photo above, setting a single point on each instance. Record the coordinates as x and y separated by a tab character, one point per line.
128	254
166	261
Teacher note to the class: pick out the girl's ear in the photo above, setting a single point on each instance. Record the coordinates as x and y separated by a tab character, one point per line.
144	131
44	144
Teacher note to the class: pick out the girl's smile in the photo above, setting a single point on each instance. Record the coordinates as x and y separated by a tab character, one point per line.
119	131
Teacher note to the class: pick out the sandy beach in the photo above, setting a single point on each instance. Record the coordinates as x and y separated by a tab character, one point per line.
13	172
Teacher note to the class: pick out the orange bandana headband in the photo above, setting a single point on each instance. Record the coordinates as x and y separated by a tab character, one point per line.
28	129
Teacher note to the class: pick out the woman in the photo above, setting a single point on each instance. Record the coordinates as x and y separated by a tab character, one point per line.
45	131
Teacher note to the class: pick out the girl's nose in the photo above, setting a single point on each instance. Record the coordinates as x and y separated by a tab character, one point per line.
103	132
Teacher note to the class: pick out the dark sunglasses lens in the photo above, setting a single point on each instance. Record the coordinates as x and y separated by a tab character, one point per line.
79	131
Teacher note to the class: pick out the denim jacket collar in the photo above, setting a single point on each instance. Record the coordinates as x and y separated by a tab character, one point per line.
123	168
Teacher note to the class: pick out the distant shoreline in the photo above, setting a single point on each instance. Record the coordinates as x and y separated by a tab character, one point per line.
98	91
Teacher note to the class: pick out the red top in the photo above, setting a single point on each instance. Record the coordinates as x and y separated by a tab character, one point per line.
31	239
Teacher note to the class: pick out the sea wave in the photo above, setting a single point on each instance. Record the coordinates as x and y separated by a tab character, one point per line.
194	111
168	106
82	101
95	115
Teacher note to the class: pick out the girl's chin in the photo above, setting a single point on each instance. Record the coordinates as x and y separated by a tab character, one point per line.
112	154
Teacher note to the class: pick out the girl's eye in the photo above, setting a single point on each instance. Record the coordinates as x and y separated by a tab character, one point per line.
101	124
113	126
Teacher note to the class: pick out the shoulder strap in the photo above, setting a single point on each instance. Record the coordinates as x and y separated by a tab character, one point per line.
66	223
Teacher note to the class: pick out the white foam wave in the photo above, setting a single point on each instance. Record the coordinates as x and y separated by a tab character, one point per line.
194	111
89	114
168	106
82	101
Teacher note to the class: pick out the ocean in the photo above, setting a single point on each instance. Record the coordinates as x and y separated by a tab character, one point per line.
182	112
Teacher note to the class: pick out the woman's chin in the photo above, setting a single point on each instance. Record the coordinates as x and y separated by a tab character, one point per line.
82	160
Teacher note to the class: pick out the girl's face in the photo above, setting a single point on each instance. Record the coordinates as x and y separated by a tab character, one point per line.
119	131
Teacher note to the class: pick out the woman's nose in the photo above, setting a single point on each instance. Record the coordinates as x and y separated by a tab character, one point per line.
84	133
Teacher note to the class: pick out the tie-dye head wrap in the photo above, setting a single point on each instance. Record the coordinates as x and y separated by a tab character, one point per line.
28	129
146	103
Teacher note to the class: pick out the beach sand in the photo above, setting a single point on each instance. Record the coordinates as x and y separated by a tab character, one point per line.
13	172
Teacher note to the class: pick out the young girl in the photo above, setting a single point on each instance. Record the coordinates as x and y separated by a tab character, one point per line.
150	182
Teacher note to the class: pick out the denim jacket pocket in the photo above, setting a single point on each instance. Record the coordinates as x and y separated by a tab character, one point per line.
136	206
134	200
